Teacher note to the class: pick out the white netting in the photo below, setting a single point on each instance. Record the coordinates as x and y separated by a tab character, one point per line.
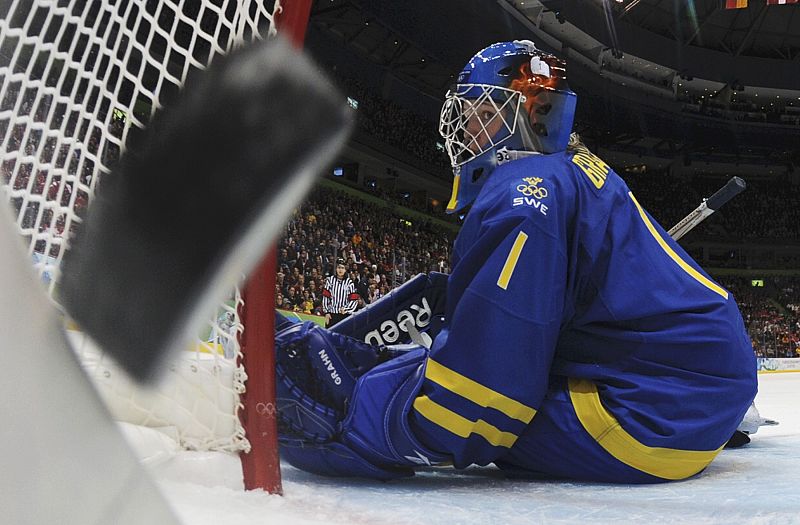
77	77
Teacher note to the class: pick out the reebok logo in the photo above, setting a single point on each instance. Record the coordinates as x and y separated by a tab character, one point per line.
390	330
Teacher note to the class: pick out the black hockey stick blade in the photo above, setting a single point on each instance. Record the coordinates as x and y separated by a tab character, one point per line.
195	203
731	189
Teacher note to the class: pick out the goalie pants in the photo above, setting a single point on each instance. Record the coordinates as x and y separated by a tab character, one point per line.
573	437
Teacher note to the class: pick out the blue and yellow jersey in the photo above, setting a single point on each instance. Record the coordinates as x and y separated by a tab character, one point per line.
559	271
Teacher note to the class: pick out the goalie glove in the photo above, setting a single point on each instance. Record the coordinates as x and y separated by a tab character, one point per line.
343	405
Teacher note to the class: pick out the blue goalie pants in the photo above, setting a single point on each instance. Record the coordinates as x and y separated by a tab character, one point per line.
574	437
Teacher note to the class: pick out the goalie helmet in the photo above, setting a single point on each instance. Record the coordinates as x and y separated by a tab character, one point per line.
510	97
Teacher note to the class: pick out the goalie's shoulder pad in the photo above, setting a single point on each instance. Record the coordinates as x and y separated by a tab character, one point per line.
420	301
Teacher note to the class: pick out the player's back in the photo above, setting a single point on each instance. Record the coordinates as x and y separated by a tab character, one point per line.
664	343
655	322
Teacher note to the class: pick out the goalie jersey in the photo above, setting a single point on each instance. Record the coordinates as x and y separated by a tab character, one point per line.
581	340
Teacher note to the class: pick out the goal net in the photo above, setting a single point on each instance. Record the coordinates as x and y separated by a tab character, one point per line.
77	79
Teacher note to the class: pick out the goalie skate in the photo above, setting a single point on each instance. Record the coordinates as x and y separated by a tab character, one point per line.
753	421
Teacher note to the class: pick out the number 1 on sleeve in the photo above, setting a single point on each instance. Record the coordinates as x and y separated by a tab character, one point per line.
511	260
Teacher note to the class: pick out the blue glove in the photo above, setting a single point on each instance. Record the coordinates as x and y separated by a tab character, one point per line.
343	405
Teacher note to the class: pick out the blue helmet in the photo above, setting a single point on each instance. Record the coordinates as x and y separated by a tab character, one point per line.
510	97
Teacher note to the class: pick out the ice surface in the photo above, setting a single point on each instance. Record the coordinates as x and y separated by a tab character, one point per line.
758	484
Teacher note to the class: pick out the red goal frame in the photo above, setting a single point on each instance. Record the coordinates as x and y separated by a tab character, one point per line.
261	466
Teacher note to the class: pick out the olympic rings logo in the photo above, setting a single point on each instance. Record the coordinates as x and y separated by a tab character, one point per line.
532	188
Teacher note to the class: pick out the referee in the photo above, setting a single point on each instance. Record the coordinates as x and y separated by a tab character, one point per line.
339	297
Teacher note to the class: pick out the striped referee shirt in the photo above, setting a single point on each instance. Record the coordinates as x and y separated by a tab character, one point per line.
339	294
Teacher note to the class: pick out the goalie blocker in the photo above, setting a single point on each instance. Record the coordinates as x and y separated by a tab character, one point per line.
418	303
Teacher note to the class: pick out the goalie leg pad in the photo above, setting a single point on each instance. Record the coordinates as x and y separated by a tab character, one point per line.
375	439
300	416
377	425
337	460
311	354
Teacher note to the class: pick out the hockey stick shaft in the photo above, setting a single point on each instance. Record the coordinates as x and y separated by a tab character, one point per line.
732	188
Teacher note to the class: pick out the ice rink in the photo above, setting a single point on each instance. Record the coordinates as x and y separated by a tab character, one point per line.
757	484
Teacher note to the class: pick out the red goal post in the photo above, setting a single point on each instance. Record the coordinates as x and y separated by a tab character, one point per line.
261	465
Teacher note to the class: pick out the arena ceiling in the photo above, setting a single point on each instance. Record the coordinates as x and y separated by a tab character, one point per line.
757	46
758	30
676	46
427	41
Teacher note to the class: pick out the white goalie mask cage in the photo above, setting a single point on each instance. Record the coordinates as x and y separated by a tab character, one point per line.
476	118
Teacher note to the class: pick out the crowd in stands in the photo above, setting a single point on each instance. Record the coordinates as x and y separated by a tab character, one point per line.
396	126
382	249
771	313
725	107
766	210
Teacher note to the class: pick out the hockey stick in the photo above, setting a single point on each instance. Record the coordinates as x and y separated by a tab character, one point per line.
194	205
731	189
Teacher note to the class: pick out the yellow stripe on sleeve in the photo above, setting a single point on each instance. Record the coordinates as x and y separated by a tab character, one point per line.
674	256
477	393
461	426
511	260
666	463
